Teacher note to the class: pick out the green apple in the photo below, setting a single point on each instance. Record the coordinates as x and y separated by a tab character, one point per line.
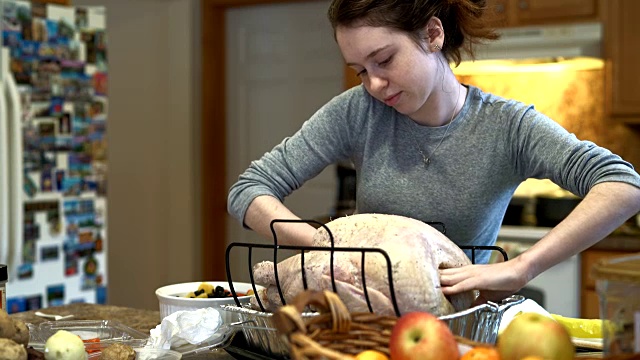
533	334
421	335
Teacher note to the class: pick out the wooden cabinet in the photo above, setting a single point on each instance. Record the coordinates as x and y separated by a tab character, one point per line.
506	13
498	12
622	55
351	79
590	303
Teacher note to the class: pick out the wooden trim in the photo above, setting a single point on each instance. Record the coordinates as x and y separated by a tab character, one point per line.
56	2
213	133
607	50
213	142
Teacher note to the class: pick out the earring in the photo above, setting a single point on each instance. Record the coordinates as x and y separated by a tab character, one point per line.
438	48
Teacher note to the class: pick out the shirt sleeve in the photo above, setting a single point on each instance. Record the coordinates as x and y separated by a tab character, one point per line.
323	139
545	150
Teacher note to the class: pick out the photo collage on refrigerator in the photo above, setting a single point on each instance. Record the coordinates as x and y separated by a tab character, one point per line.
58	59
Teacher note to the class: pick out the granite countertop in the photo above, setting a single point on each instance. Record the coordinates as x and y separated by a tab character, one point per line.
138	319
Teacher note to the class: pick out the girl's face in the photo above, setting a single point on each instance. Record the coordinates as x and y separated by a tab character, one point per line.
392	67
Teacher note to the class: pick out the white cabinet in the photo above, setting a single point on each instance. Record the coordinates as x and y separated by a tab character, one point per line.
560	285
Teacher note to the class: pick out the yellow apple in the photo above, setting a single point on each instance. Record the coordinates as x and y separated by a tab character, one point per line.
532	334
421	335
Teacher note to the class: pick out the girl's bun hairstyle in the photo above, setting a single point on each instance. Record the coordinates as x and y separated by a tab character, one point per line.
463	22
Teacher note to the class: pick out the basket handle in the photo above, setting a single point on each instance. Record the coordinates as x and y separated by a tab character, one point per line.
288	318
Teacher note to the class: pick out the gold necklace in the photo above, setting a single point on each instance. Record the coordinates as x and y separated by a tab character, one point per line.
426	159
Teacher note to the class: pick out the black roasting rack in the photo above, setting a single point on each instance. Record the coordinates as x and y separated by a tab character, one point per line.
245	348
240	348
332	249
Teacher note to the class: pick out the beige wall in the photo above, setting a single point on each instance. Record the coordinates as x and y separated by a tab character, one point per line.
153	214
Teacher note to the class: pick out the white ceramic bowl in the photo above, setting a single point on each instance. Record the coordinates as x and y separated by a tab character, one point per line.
171	298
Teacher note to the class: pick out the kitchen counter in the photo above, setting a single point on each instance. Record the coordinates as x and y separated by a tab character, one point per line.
141	320
531	234
138	319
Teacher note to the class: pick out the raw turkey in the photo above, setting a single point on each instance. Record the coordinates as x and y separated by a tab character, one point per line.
416	250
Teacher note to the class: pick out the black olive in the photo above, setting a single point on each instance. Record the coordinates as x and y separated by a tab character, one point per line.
198	292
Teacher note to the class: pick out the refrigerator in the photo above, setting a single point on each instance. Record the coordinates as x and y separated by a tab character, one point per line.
53	154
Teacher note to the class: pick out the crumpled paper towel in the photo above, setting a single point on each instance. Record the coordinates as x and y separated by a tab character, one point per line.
526	306
186	327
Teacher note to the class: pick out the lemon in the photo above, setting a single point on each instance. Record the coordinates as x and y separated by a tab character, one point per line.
371	355
583	328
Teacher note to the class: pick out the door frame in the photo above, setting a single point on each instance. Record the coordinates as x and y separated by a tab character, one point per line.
213	132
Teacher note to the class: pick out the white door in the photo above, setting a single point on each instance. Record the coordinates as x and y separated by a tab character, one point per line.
282	65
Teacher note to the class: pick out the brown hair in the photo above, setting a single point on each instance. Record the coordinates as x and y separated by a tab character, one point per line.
462	20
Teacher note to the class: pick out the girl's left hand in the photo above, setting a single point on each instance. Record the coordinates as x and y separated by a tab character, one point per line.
495	281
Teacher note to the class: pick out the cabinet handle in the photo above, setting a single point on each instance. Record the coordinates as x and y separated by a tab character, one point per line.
523	4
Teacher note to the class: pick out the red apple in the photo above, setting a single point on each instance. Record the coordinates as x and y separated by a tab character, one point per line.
533	334
421	335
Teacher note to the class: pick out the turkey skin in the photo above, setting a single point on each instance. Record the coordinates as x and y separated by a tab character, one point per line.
416	251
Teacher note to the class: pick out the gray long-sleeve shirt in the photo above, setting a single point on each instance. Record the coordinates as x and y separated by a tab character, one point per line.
492	145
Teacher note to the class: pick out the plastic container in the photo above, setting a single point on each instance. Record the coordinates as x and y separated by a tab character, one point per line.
4	277
618	287
141	353
157	354
103	331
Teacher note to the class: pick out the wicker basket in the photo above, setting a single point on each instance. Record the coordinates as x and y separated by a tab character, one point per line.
335	333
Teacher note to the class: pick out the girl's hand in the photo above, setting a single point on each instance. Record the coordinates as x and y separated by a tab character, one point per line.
494	281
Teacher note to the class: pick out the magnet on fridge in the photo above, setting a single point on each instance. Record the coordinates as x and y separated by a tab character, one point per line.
29	257
56	107
25	271
34	302
52	30
31	230
88	282
55	295
16	304
29	186
46	181
48	253
70	263
101	295
39	29
64	124
39	10
82	18
59	179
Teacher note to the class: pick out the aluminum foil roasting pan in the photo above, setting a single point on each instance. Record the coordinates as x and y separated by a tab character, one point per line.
479	323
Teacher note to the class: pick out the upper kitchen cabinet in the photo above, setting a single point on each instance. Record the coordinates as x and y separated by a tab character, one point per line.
622	54
351	79
507	13
498	12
